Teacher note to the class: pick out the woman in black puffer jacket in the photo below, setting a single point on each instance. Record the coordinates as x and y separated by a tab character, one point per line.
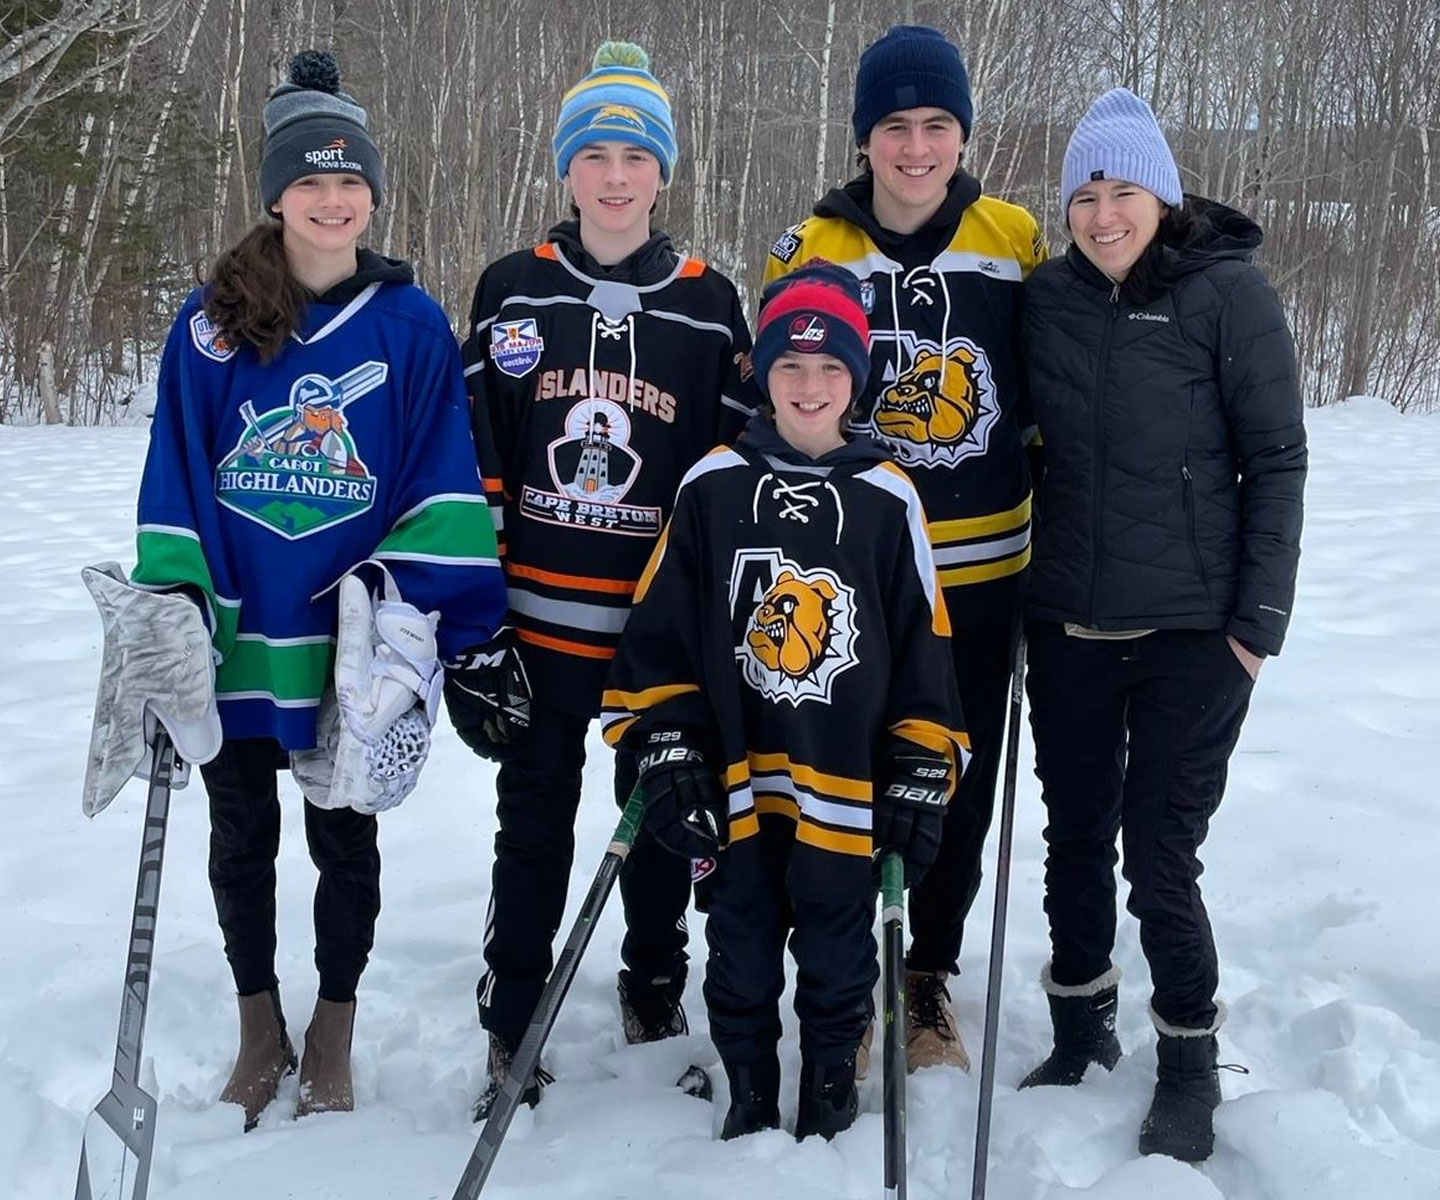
1163	378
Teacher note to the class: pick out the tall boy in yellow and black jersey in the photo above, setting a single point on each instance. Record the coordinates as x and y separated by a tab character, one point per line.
785	682
941	268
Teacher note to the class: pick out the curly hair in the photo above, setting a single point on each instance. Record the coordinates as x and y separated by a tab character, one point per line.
251	296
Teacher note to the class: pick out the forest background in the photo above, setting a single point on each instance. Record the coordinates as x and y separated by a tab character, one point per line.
130	138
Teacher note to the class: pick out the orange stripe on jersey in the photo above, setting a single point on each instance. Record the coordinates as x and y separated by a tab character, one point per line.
547	251
493	485
692	269
583	583
579	649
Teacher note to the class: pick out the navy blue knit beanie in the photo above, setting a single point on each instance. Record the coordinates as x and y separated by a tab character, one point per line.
912	66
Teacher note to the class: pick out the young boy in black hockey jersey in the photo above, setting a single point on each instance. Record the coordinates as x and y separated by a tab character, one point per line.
785	681
601	364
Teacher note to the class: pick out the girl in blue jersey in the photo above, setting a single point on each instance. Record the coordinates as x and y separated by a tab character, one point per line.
312	414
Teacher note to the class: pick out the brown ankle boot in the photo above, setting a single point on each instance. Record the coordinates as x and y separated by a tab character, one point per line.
266	1056
325	1081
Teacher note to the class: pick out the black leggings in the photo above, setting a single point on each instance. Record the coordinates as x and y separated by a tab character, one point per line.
244	840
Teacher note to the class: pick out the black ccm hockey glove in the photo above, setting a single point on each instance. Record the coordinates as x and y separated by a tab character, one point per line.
686	809
909	809
488	695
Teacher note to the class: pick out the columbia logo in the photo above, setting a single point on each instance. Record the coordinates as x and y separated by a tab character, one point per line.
1144	316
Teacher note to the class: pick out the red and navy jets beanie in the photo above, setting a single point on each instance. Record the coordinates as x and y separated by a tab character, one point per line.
813	310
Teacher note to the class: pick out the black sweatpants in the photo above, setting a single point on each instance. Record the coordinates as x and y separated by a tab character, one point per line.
941	901
539	794
750	908
244	840
1134	737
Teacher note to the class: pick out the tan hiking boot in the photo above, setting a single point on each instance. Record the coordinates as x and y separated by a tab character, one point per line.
266	1056
932	1038
326	1084
862	1052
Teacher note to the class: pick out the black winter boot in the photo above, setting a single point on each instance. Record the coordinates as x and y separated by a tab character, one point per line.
1084	1021
651	1011
1180	1123
754	1098
828	1099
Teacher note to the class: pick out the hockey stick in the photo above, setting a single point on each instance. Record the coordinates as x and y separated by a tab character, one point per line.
120	1131
547	1008
892	917
997	927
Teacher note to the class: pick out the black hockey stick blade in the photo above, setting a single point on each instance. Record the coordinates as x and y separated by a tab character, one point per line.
120	1131
892	923
547	1008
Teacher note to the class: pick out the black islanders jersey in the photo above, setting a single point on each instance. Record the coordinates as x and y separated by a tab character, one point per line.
593	390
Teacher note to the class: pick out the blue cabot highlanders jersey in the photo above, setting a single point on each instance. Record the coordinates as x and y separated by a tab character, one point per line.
265	483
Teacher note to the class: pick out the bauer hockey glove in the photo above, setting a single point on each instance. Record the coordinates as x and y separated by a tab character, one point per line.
909	809
686	809
488	694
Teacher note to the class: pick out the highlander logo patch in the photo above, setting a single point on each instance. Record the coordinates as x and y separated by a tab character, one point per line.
516	346
296	469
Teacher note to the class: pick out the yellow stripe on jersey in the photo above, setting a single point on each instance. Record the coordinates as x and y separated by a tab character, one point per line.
809	777
978	527
858	844
959	576
932	736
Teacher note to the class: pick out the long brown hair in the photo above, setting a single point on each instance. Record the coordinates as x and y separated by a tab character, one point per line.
251	295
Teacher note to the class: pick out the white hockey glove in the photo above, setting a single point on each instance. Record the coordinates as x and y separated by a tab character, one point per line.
157	667
387	691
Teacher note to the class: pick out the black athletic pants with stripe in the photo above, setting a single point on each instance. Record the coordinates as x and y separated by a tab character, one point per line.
750	910
244	841
1134	738
539	787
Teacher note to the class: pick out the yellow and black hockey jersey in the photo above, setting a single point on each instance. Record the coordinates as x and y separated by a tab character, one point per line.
946	389
593	389
792	624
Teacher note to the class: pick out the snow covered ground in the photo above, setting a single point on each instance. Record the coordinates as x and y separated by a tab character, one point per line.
1321	883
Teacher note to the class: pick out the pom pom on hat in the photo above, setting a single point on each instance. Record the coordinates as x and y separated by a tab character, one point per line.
815	309
312	127
618	101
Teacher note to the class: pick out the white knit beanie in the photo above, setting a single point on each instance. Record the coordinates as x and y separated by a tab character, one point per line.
1119	138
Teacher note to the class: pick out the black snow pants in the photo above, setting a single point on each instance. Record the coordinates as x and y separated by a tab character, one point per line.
539	787
244	841
941	901
1134	737
750	909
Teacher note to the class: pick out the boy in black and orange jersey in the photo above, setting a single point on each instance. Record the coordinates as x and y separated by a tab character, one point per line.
601	364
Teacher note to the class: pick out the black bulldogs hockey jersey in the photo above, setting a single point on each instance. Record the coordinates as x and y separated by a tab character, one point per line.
791	621
593	390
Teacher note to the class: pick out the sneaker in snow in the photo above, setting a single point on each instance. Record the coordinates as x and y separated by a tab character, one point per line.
651	1012
932	1038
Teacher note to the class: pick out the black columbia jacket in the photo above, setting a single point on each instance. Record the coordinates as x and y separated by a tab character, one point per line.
1174	446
